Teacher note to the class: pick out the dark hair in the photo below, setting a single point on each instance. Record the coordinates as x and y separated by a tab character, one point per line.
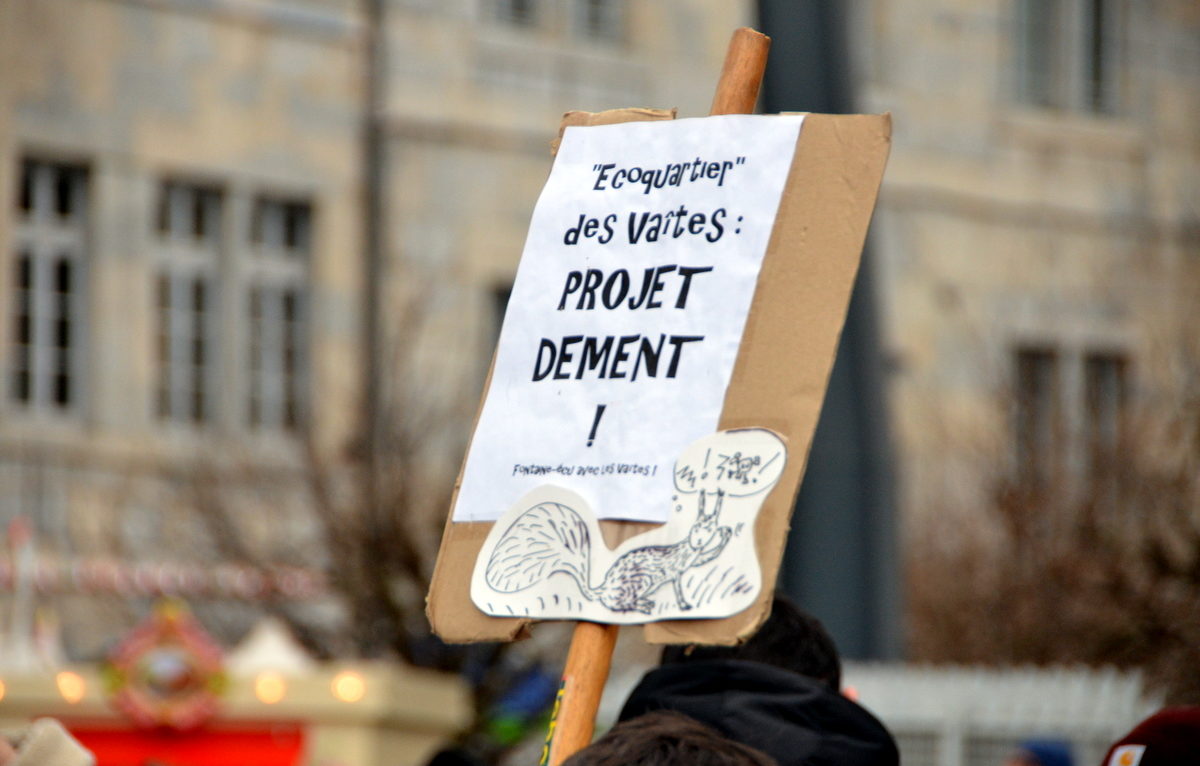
667	738
791	639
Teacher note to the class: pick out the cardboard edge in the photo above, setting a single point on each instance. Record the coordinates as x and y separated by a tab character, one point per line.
858	145
576	118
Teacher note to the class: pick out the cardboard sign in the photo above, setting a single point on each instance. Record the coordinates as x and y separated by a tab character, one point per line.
627	311
779	376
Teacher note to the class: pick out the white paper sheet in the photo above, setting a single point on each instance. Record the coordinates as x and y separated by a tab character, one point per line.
546	558
627	311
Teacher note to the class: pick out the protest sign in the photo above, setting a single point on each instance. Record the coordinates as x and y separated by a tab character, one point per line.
779	375
783	358
627	311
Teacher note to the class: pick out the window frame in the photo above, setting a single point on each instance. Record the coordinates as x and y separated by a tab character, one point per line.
46	237
1074	58
276	397
185	392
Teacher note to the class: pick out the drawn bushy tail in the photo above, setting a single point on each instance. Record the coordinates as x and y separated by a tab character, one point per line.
547	538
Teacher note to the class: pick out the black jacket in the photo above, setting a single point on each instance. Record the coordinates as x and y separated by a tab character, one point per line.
798	721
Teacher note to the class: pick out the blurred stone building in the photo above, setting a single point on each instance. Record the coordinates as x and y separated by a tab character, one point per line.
1037	234
186	197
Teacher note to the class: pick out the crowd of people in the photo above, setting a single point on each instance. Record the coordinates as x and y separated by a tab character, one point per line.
776	700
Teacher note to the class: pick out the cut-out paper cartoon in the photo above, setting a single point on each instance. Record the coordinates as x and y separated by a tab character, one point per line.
546	557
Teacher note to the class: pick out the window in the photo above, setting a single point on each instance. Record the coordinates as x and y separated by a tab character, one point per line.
189	250
1104	400
521	13
276	305
1038	414
1082	395
600	19
1070	53
48	286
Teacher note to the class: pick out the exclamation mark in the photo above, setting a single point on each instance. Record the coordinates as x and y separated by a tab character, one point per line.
596	423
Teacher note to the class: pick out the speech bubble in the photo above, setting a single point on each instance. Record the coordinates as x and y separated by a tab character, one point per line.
740	463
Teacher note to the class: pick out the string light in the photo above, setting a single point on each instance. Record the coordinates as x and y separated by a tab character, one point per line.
348	686
269	687
71	686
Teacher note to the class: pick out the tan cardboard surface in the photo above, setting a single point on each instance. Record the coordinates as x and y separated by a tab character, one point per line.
782	369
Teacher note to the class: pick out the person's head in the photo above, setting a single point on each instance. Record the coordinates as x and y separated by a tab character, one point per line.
666	738
1041	752
1170	737
791	639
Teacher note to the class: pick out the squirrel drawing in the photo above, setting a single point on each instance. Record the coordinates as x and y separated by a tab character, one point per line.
551	537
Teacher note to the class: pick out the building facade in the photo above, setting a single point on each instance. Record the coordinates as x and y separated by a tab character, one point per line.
1036	235
184	205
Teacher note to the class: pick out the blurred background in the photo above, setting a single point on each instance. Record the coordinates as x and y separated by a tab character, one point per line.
255	255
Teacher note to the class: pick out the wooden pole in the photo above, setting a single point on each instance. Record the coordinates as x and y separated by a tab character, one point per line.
590	656
586	672
745	62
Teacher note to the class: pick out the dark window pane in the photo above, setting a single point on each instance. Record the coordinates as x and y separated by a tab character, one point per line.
164	292
164	349
289	306
64	198
519	12
1105	395
21	387
1038	414
23	327
199	294
199	220
198	414
256	223
25	197
295	234
62	389
24	271
1041	42
164	209
62	333
62	275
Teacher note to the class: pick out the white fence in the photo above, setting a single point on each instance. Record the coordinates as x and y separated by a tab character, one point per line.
976	717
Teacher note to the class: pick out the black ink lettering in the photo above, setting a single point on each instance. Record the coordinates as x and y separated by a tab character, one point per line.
607	236
572	235
649	354
620	278
716	217
677	342
538	372
574	279
621	356
726	165
590	283
594	356
687	272
657	287
565	356
603	174
645	291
